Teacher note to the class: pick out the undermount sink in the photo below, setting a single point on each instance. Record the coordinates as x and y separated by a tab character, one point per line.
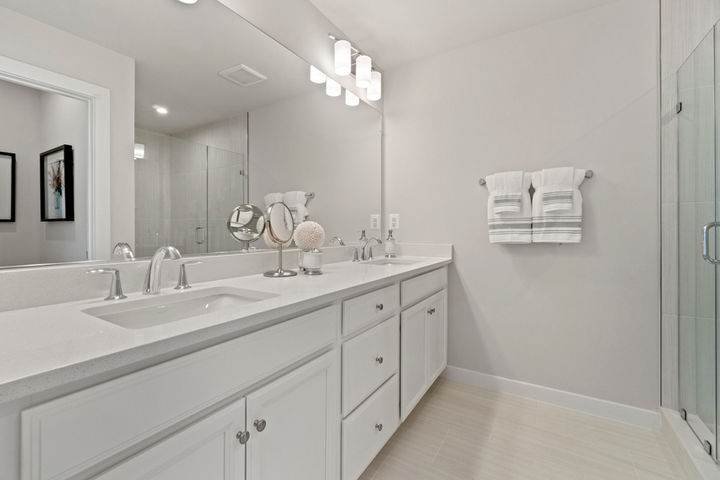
392	261
150	312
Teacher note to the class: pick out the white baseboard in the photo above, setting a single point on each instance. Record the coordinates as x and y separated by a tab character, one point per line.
593	406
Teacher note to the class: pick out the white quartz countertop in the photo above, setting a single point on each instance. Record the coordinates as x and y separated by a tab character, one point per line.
50	346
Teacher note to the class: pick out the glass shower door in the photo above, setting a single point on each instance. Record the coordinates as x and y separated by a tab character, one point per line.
698	276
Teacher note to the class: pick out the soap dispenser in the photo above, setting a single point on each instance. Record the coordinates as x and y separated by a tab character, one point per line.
390	247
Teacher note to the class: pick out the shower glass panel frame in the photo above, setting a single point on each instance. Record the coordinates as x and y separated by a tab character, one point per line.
698	212
184	193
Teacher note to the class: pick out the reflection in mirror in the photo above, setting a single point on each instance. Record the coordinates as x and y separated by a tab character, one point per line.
224	117
36	121
246	224
279	234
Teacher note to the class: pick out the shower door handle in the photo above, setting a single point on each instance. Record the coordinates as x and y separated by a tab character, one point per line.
706	247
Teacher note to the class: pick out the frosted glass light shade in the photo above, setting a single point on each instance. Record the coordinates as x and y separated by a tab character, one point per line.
351	100
343	58
316	76
332	88
363	71
139	151
374	91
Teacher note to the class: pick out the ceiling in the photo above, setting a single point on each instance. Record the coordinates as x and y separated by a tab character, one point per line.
179	50
398	31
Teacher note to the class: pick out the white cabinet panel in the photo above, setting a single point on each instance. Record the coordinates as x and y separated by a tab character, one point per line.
413	345
294	423
423	347
368	360
436	322
423	285
207	450
369	308
369	428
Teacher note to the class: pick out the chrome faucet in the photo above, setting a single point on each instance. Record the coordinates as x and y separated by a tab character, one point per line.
337	239
367	248
153	275
123	250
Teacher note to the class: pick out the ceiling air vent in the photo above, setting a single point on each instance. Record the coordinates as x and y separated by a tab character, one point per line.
242	75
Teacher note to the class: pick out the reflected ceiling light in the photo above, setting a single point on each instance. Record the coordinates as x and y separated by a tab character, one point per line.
351	100
188	2
332	88
374	91
161	110
316	76
139	151
363	71
343	58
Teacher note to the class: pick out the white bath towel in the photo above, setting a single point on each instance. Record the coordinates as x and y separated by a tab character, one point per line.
271	198
558	189
507	226
557	225
506	190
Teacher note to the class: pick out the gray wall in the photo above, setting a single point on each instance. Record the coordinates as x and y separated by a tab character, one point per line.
580	91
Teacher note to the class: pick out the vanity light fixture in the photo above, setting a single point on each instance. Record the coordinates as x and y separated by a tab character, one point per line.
351	100
363	71
139	151
161	110
343	58
188	2
316	76
374	91
332	88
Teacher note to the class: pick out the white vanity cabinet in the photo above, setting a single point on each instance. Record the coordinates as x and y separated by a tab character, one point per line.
423	339
207	450
294	425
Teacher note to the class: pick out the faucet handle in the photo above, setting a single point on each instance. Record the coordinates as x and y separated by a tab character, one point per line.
182	277
116	291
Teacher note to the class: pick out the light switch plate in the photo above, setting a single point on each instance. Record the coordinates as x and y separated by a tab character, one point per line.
394	221
375	222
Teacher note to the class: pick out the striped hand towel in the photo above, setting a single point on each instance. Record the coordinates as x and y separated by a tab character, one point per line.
557	225
506	225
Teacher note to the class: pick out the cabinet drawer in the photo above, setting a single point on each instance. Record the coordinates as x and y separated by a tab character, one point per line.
372	307
421	286
368	360
367	430
104	420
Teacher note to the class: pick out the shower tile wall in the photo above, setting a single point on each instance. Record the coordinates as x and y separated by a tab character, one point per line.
684	23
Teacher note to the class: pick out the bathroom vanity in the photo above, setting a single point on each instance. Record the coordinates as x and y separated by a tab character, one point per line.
308	379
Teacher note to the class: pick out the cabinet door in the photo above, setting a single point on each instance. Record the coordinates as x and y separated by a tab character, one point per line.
436	323
413	355
207	450
294	424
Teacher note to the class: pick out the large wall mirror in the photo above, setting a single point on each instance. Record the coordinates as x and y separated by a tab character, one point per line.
224	115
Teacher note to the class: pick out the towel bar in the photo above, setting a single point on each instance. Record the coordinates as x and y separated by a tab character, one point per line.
588	174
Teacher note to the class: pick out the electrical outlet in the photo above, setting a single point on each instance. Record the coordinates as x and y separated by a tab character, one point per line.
394	221
375	222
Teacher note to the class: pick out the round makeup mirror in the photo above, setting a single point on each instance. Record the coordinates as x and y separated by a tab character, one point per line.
280	229
246	224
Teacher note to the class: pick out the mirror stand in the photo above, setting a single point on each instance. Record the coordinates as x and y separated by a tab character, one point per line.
280	272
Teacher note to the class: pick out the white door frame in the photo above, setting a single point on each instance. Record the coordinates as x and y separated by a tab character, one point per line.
98	104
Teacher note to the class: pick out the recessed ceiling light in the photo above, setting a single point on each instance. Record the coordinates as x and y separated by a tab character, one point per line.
188	2
161	110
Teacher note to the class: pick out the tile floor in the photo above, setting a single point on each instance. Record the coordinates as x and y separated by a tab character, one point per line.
462	432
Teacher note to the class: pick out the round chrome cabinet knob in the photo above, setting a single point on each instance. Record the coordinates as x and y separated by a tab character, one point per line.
379	359
243	437
379	306
379	427
260	425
